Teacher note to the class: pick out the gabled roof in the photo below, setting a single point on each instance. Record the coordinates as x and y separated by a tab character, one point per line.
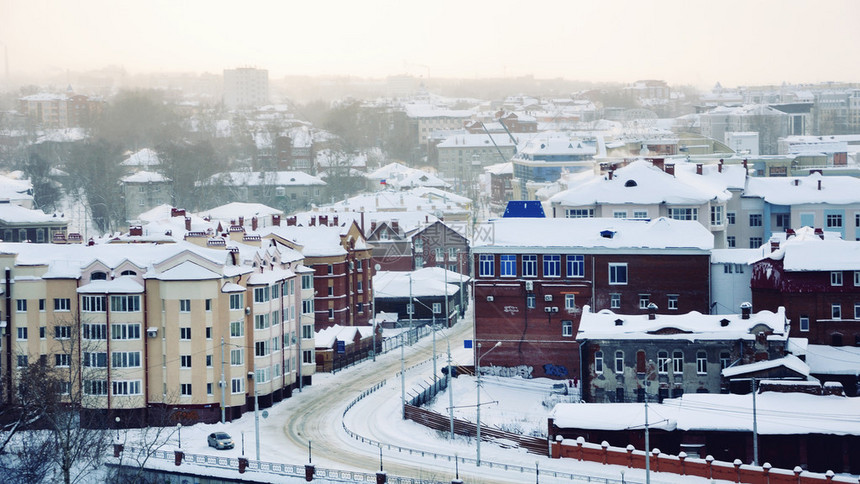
187	271
808	252
835	190
790	362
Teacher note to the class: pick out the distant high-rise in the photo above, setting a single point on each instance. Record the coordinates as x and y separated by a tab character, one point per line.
246	87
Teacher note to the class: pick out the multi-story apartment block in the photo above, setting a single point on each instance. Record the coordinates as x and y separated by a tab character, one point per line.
144	191
287	190
60	111
246	87
541	159
423	119
533	277
137	327
440	245
462	157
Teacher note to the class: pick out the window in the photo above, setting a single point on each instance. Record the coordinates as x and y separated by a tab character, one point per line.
125	359
570	302
567	328
663	362
330	313
507	265
439	254
95	359
307	331
701	363
62	304
263	375
307	306
185	305
677	362
419	261
237	329
755	220
684	213
717	215
836	311
93	304
95	387
22	332
486	265
672	302
185	333
530	301
619	362
452	253
62	332
98	276
125	331
529	266
208	361
576	266
783	220
725	359
552	266
644	300
208	305
22	361
640	214
185	389
579	213
41	305
410	308
94	331
615	301
730	218
307	281
755	242
208	332
330	269
836	278
731	241
237	385
41	332
237	357
834	221
185	361
619	214
857	278
598	362
125	304
261	294
437	308
307	356
235	301
21	305
617	274
261	348
804	322
359	286
261	321
856	310
62	360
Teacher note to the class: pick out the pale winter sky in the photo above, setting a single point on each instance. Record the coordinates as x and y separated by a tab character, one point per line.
682	41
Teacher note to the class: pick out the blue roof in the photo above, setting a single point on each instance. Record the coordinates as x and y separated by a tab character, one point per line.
524	209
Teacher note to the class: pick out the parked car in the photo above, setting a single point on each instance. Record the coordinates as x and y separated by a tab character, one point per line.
220	440
559	388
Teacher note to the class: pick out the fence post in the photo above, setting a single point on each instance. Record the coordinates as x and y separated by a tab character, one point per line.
117	449
177	457
656	454
737	463
681	457
243	464
710	460
630	449
309	472
605	446
579	442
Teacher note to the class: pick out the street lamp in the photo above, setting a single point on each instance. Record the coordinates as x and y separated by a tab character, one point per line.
179	432
478	373
117	428
373	308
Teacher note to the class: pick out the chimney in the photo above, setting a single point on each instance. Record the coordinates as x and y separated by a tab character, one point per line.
819	232
746	309
720	166
659	163
819	184
135	230
652	311
241	221
177	212
610	172
312	222
395	226
254	223
796	182
745	164
698	168
372	226
774	245
276	220
187	223
291	220
323	220
670	168
789	233
334	221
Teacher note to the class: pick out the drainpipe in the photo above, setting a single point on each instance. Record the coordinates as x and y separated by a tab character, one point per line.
145	336
107	357
8	336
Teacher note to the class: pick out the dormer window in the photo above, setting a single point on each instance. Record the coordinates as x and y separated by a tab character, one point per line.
98	276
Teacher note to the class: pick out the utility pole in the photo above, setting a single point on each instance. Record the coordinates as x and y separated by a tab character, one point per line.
450	391
755	425
402	379
223	385
647	444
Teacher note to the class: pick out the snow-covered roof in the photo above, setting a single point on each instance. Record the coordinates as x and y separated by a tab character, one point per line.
807	252
397	175
605	324
264	178
408	220
835	190
833	360
325	338
778	414
234	210
592	234
430	111
316	241
734	256
480	140
14	214
390	201
790	361
506	168
146	177
395	284
187	271
120	285
145	157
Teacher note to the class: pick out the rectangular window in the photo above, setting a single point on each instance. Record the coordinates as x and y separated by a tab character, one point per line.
576	266
125	331
208	332
209	361
619	362
755	220
307	356
619	214
836	278
185	361
330	269
725	360
237	385
208	305
307	306
437	308
598	362
755	242
261	348
93	304
804	322
261	321
486	265
185	305
307	281
507	265
717	215
209	388
730	218
570	302
783	220
62	304
185	333
552	266
22	332
617	273
677	362
663	362
261	294
126	387
834	221
529	266
410	308
419	261
672	302
567	328
731	241
125	359
62	360
235	301
579	213
857	278
95	387
237	357
62	332
21	361
41	305
276	318
644	301
836	311
185	389
95	359
237	329
21	305
640	215
307	331
615	301
94	331
125	304
684	213
530	301
701	363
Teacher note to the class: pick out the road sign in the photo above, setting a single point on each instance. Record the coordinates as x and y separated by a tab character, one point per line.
467	343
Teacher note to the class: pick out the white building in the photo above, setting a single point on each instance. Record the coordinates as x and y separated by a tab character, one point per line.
246	87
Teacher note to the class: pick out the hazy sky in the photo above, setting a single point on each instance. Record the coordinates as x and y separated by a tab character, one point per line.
684	41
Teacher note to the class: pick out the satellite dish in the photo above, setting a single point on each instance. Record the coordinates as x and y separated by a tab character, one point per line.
265	414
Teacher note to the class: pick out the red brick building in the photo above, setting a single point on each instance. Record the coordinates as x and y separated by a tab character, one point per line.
533	276
818	282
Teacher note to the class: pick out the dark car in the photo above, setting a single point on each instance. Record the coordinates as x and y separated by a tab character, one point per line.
220	440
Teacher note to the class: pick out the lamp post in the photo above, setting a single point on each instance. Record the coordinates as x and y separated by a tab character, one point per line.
117	428
179	432
373	308
478	373
256	416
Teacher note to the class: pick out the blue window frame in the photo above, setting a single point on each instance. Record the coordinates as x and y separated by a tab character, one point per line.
486	268
552	266
576	266
507	265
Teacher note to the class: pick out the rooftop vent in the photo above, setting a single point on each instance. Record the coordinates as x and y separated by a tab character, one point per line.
619	322
607	234
630	183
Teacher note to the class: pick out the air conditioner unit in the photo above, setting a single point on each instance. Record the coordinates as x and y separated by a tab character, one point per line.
489	298
555	309
547	309
547	297
530	286
152	332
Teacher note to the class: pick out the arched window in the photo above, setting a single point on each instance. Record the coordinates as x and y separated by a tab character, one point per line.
663	362
619	362
128	273
598	362
98	276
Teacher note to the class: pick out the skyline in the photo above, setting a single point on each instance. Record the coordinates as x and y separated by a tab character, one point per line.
687	43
